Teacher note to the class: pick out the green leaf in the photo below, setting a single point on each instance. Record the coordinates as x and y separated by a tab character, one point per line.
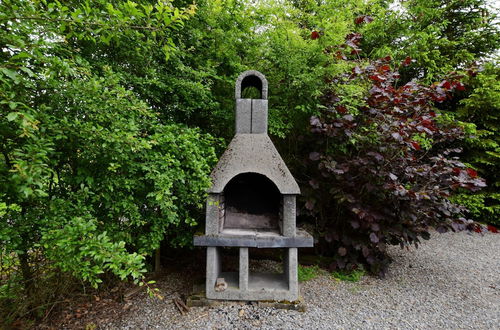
12	115
11	74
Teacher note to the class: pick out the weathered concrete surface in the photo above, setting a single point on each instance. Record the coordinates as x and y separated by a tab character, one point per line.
253	153
213	269
251	116
244	272
290	266
246	79
198	299
259	116
243	116
258	240
289	215
214	208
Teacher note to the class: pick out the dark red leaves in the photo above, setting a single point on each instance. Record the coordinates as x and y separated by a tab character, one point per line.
472	73
340	55
397	137
377	77
459	86
472	173
341	109
407	61
370	169
492	229
314	35
363	19
353	40
445	84
314	184
385	68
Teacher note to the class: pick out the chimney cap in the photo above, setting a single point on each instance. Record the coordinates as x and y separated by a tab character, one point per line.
251	78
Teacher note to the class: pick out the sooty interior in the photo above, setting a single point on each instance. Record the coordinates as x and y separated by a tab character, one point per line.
252	201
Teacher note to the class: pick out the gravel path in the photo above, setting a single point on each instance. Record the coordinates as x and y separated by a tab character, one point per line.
451	282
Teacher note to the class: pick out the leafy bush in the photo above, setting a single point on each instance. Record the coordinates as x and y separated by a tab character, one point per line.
93	177
481	106
441	35
383	173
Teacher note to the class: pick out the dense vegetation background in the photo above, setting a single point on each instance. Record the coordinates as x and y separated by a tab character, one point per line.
114	112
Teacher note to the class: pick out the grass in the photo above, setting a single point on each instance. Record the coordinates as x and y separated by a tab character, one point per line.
321	263
350	276
306	273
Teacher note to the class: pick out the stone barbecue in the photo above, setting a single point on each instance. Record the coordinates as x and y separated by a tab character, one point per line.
251	204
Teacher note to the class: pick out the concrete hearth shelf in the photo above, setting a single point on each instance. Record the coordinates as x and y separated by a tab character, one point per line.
254	238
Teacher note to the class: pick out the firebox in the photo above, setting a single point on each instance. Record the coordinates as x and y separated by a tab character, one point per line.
252	204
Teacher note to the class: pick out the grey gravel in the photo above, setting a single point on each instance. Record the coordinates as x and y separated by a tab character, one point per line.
450	282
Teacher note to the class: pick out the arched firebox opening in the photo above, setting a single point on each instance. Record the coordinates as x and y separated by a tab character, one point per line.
252	201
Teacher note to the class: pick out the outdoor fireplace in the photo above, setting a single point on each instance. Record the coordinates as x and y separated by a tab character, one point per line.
251	204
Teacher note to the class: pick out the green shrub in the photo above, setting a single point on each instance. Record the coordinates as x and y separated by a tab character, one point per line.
93	177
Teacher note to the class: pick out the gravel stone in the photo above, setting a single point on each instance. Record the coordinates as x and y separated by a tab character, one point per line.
449	282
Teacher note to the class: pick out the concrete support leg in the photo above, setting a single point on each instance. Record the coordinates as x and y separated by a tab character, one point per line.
244	271
213	270
290	264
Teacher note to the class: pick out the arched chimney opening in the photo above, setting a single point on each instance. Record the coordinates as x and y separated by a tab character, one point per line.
251	201
251	87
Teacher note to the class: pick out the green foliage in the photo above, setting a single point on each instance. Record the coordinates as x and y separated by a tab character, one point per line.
349	275
481	105
80	248
439	35
483	207
306	273
93	177
112	112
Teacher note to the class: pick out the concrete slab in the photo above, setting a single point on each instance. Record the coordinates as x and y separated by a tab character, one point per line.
258	240
198	299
